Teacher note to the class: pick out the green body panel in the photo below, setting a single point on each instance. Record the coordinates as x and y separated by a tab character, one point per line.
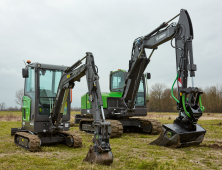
83	101
111	94
85	104
26	108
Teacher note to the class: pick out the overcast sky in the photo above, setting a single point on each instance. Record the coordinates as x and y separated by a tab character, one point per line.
61	32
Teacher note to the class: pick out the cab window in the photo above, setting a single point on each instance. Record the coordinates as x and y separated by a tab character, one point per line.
117	81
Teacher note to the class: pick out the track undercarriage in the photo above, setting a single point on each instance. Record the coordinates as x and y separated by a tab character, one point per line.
32	142
118	127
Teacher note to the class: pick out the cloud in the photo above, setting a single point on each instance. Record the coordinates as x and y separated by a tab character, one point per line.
11	81
60	33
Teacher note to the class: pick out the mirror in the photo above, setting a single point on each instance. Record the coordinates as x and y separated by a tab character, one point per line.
25	73
148	75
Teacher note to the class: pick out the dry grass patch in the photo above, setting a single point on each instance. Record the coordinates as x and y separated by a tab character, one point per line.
10	117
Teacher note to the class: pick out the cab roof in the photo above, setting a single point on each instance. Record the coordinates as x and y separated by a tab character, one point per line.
47	66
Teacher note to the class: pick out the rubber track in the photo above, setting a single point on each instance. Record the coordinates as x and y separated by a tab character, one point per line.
116	128
76	137
33	139
84	120
156	125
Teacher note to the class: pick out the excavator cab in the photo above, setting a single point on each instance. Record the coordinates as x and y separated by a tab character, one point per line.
41	85
117	84
40	89
113	105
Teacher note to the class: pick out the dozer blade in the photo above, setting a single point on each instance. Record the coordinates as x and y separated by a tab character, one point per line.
95	156
174	136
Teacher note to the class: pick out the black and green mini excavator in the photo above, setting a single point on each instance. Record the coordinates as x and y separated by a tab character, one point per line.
127	97
46	108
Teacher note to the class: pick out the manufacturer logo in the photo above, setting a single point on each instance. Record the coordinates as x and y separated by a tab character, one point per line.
161	36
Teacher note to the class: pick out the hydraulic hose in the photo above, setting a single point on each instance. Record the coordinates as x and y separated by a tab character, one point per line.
172	89
183	98
184	107
201	107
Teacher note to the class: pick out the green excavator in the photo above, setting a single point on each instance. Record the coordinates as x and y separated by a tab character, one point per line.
46	109
126	100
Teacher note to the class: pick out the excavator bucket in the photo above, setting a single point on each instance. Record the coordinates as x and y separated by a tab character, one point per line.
174	136
97	156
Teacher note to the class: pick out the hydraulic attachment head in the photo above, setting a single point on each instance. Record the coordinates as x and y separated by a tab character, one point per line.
174	136
100	152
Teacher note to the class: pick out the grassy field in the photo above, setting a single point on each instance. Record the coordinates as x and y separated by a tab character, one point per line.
130	152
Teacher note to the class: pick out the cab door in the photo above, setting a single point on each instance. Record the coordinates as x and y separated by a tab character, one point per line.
26	108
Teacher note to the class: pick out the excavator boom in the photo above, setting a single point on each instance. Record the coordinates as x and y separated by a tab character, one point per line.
187	104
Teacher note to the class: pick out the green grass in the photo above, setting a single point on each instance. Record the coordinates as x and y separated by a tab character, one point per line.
131	151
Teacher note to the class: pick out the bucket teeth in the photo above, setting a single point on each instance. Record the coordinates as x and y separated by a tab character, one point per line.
175	136
99	157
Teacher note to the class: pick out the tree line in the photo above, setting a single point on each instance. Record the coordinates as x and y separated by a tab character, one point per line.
19	100
161	100
3	107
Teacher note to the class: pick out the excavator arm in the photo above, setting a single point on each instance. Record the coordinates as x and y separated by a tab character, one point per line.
188	98
101	151
182	32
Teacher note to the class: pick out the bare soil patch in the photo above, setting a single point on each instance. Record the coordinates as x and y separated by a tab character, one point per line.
213	146
10	117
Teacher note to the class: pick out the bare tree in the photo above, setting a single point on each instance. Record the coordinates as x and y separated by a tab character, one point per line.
160	99
156	94
19	96
13	108
2	106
